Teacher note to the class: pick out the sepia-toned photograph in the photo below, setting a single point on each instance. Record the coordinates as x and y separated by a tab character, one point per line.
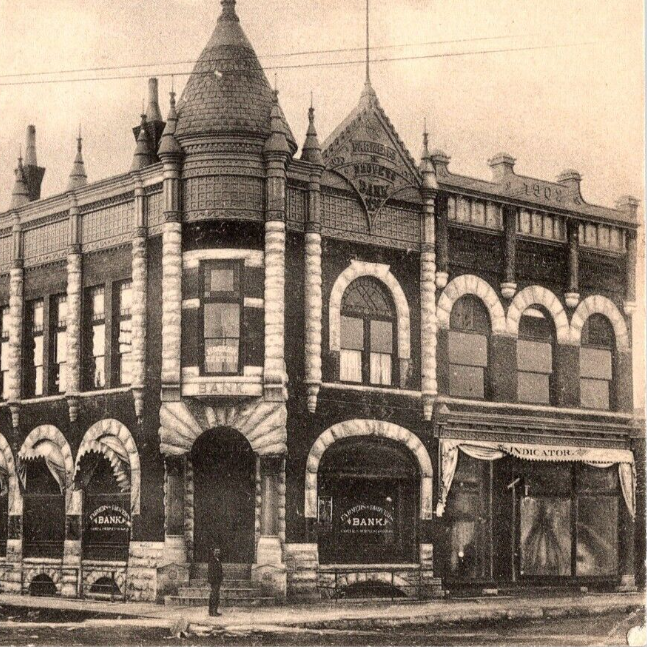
322	323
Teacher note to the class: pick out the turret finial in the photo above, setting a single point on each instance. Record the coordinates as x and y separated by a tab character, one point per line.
143	156
78	177
311	151
20	193
228	10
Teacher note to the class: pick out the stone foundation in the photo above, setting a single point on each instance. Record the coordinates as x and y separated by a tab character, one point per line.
302	563
94	570
143	560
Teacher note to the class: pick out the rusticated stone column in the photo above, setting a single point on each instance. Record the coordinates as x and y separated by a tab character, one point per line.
313	297
630	292
509	284
16	303
171	281
572	296
428	277
74	288
138	308
442	244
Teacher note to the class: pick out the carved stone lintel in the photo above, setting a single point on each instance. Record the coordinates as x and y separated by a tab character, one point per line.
508	290
441	279
73	407
572	299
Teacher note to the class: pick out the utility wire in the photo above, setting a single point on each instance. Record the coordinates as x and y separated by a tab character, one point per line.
306	65
275	55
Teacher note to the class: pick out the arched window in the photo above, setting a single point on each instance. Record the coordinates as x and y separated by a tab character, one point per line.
368	327
596	363
468	348
535	356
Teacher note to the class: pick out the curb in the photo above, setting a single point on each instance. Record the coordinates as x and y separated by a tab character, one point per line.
474	617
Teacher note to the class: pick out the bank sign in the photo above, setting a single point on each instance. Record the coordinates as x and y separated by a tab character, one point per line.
108	519
366	519
372	164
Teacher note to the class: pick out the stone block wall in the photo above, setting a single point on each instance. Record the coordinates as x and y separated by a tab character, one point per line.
302	563
143	560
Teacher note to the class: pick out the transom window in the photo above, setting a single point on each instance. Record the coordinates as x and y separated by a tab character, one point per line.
535	356
468	348
367	333
596	363
222	302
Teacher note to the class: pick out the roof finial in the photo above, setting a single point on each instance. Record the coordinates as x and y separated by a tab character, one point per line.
368	55
228	10
20	193
78	177
311	151
312	103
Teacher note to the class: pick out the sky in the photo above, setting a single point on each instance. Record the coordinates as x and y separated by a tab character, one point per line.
579	106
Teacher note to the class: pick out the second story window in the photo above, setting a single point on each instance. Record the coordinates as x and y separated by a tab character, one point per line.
221	317
4	350
367	333
34	357
596	363
58	341
535	357
468	348
96	347
123	331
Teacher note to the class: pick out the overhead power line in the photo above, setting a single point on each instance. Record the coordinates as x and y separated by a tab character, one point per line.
306	65
270	55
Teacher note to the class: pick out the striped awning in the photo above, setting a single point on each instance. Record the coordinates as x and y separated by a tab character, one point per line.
113	450
51	453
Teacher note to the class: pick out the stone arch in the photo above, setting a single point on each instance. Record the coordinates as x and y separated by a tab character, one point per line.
55	436
348	579
91	577
262	423
471	284
598	304
376	428
8	464
538	295
123	442
383	273
53	574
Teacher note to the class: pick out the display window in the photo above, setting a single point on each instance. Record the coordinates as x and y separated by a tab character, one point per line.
368	499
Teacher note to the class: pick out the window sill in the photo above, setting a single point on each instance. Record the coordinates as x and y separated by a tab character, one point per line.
365	388
118	389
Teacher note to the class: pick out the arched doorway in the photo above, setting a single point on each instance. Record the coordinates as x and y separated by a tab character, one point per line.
224	496
368	490
43	510
106	509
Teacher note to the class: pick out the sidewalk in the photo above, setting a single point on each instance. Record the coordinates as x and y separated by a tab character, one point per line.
344	615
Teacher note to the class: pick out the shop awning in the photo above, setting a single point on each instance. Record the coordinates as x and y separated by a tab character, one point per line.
491	450
113	450
53	457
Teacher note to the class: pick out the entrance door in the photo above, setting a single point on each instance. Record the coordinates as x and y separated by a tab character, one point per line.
224	469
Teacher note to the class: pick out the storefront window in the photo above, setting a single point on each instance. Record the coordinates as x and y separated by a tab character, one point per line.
367	507
465	519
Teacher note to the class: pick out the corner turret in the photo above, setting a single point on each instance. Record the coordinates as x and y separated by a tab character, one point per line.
78	176
144	155
311	151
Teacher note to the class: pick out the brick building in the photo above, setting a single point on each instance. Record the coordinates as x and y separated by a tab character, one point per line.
348	369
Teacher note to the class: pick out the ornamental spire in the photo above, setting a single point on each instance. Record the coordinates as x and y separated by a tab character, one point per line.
143	156
20	193
311	151
78	176
168	144
228	11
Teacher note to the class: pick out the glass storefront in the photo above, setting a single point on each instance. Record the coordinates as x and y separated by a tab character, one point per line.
368	501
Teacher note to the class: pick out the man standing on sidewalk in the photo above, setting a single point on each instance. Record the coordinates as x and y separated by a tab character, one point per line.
215	580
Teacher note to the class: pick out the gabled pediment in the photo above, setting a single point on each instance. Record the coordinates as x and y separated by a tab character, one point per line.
366	151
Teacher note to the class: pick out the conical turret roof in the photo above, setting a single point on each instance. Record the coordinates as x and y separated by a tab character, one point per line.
78	176
20	194
227	91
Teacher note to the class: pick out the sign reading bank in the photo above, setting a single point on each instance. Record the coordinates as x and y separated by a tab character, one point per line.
371	163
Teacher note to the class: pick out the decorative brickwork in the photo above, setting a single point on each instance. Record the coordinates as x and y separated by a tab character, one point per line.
471	284
538	295
45	243
474	212
343	214
383	273
377	428
541	225
397	223
296	205
223	193
107	223
597	304
6	245
155	210
603	237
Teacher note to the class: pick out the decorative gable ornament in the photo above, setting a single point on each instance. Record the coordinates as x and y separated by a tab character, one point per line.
367	152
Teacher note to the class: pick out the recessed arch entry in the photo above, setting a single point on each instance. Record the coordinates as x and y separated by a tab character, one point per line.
368	485
224	479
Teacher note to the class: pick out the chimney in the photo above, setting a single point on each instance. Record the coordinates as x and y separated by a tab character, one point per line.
629	205
440	160
572	179
154	122
32	172
502	165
